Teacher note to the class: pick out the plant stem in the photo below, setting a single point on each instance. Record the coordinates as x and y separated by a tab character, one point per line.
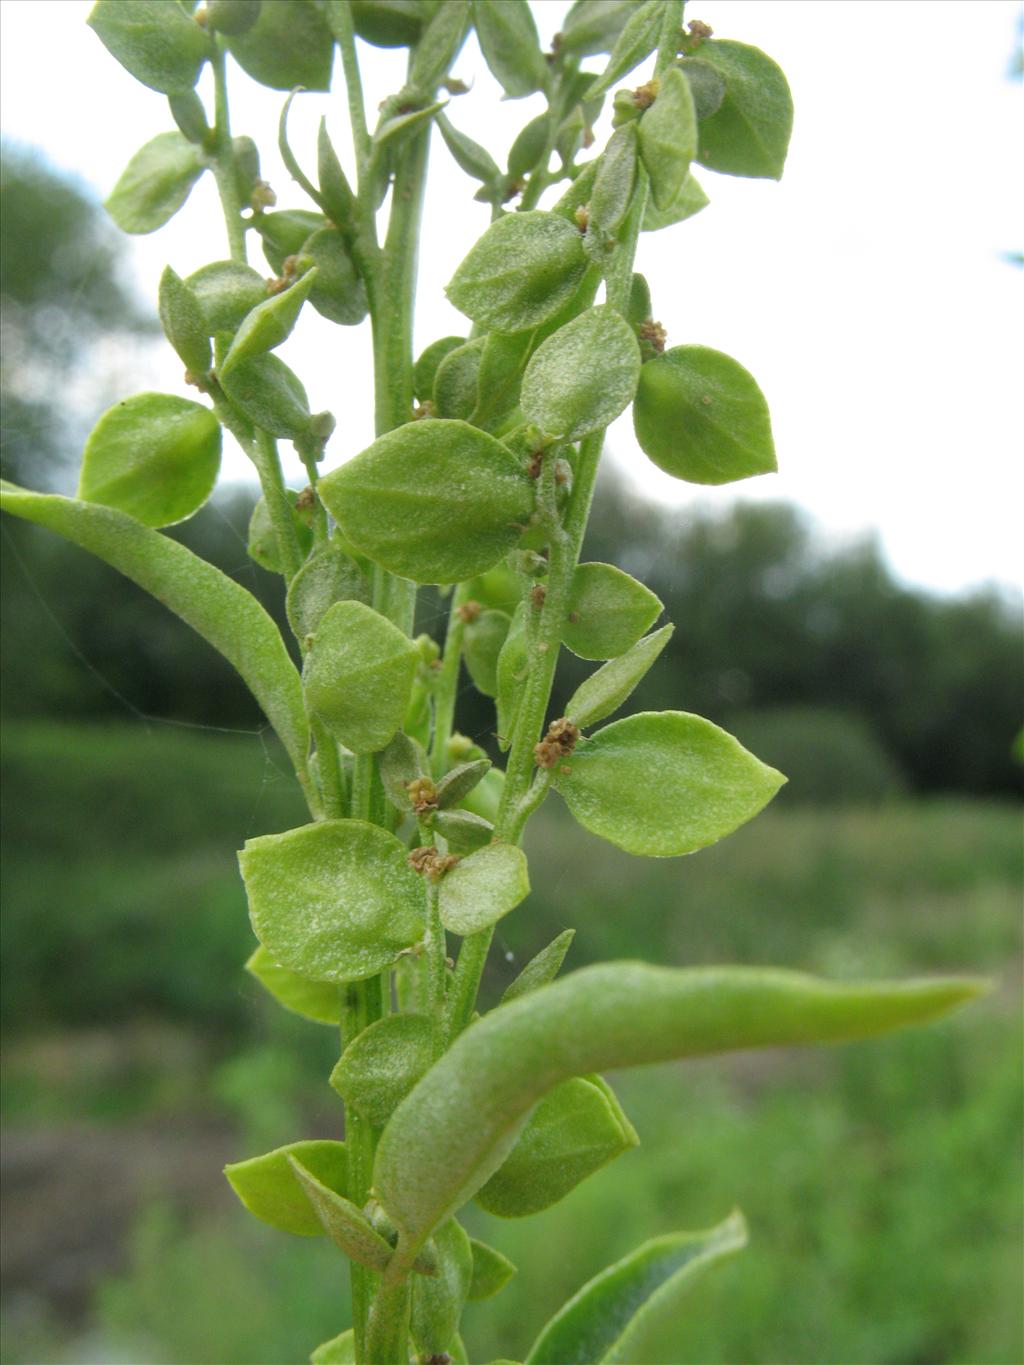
268	467
446	686
332	776
224	164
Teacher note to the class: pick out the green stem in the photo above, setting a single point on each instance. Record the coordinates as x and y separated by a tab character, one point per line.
446	686
224	163
332	776
339	16
268	467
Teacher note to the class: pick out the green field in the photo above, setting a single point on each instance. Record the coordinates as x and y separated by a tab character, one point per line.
881	1181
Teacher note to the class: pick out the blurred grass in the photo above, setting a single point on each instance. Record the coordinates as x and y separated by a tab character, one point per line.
881	1181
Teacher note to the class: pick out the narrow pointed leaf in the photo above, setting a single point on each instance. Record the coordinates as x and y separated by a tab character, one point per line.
604	691
439	45
334	901
215	606
491	1271
318	1001
707	784
597	1019
463	831
456	784
594	25
636	41
155	183
438	1301
340	1350
668	137
690	200
267	1186
608	1318
268	324
347	1226
335	190
469	156
183	322
542	968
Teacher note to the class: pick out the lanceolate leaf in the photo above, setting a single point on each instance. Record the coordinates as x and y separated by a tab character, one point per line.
610	1315
508	40
668	137
542	968
346	1225
215	606
690	200
335	901
662	783
637	40
155	183
600	1018
434	501
340	1350
604	691
491	1271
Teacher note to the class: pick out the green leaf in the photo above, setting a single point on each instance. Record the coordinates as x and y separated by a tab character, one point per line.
184	324
225	292
613	187
395	126
268	325
582	377
639	308
402	762
439	46
607	1319
707	784
668	137
482	888
334	901
358	675
155	183
329	576
246	167
706	86
700	416
382	1064
608	611
154	40
267	1186
190	116
542	968
455	383
513	666
529	146
469	156
263	544
269	394
289	45
464	831
519	274
314	1000
502	362
690	200
491	1271
437	1302
456	785
285	233
345	1224
154	457
481	646
389	23
749	133
602	1018
232	16
215	606
511	48
435	501
335	191
605	691
426	366
340	1350
574	1131
636	40
338	292
594	25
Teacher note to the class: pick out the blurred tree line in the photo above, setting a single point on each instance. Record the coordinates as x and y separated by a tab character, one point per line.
815	656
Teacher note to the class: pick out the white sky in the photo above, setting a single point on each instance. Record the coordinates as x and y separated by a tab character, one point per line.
866	292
